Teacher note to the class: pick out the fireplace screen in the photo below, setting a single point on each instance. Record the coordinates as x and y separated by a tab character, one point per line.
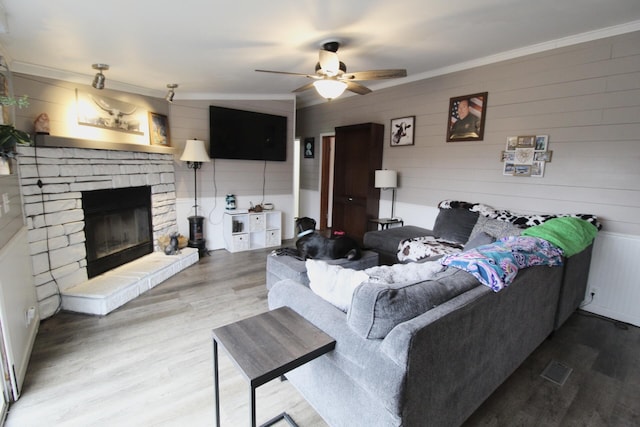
117	227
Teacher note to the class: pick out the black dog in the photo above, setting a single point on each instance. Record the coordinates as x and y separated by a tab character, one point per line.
311	244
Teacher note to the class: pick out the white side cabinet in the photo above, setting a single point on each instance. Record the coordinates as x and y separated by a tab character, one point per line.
253	230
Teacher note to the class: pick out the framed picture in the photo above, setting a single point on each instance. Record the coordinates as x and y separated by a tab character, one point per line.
527	141
109	113
543	156
512	143
159	129
508	156
309	147
402	131
541	142
466	117
521	170
537	169
508	169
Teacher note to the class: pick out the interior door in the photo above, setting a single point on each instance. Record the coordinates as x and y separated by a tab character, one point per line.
358	153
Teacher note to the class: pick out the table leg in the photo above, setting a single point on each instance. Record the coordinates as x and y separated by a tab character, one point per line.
216	390
253	407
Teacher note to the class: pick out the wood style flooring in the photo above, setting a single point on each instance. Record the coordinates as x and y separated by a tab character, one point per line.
149	363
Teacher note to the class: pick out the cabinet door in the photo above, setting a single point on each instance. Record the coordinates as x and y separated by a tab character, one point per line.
358	154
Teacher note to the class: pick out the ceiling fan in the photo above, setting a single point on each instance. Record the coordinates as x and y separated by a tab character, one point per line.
331	77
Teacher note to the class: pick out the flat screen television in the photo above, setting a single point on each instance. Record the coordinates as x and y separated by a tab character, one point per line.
247	135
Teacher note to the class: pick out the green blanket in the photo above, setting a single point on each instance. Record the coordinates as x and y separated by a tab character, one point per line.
570	234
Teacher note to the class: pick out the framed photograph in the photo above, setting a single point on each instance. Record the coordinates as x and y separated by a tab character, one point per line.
466	117
543	156
402	131
309	147
512	143
541	142
528	141
109	113
521	170
508	156
508	169
537	169
159	129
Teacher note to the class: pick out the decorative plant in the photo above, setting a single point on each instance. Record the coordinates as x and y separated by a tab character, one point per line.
9	135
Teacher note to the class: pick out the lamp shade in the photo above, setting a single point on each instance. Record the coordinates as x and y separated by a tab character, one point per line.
194	151
386	179
330	89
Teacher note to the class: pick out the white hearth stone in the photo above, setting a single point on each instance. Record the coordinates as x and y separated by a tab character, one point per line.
104	293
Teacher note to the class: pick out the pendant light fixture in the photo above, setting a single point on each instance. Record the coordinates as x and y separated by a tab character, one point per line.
171	93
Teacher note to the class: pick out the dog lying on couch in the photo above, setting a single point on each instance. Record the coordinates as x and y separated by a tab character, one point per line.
312	245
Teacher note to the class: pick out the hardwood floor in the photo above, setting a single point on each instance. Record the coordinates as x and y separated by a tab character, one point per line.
149	363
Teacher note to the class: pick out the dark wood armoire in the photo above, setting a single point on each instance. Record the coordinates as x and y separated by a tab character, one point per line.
358	154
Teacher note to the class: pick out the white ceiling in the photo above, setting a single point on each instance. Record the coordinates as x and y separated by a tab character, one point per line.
211	47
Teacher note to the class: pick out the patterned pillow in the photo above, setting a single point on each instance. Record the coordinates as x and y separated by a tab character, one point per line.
494	228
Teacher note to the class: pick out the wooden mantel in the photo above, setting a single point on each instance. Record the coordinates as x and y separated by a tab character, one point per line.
66	142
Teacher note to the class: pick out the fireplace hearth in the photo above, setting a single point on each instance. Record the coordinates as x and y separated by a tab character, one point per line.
117	227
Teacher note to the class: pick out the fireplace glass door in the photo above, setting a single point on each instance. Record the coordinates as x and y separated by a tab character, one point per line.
117	227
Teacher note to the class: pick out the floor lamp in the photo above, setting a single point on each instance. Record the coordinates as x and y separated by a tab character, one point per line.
195	154
387	179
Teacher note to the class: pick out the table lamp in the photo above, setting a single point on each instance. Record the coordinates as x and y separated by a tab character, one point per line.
195	154
387	179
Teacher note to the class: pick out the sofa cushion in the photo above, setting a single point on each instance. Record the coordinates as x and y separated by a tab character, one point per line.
387	240
376	308
455	225
495	228
479	239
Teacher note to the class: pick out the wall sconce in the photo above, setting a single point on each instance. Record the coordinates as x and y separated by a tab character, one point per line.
195	154
329	88
98	80
171	93
387	179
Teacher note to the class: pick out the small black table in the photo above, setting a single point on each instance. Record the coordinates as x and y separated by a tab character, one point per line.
384	223
265	347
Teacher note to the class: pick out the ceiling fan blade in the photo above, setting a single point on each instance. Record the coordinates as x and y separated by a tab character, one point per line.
375	75
357	88
303	88
329	62
284	72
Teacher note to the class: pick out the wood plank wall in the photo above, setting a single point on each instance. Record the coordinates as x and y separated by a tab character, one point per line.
586	97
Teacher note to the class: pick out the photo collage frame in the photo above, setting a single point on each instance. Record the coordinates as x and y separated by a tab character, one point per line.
526	155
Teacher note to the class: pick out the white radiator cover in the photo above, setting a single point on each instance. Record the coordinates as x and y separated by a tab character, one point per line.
615	277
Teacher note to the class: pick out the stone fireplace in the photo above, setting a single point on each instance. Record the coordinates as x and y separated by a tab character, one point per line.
55	174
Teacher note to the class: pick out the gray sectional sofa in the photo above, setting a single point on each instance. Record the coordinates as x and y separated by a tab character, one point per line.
428	353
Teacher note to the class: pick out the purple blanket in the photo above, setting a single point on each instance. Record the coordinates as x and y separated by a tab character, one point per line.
495	265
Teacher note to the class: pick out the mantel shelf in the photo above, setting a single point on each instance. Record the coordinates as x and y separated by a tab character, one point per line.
65	142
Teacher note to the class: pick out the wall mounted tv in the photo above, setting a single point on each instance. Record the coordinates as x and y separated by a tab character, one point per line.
247	135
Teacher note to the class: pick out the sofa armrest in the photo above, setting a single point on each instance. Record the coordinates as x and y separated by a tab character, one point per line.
357	357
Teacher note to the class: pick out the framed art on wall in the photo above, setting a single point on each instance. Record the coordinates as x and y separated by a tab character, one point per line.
309	147
158	129
402	131
465	121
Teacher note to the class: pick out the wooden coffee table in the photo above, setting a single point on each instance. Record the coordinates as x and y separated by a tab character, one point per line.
265	347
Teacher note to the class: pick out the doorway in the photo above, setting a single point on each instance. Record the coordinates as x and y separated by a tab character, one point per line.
326	180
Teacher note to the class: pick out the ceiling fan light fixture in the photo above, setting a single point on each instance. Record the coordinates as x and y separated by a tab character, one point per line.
330	89
99	79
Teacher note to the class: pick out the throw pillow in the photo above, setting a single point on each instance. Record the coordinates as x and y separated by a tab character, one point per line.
479	239
334	283
455	225
495	228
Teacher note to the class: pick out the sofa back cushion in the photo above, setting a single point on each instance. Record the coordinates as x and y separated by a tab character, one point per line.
377	308
455	224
